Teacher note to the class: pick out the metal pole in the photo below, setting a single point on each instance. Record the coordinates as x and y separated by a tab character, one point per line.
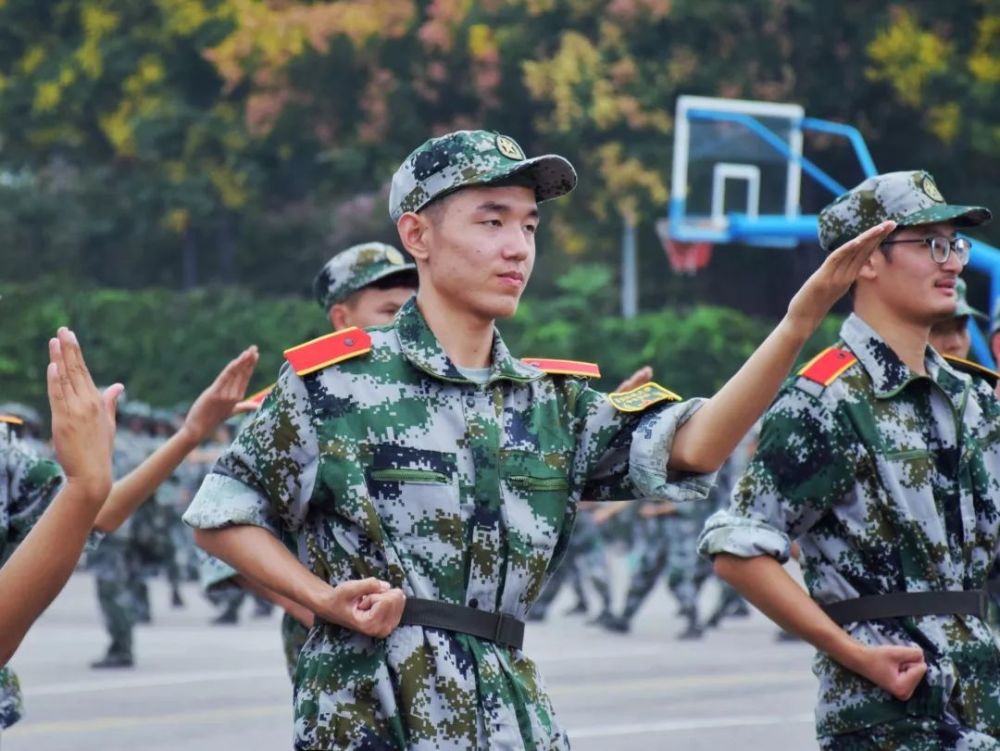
630	284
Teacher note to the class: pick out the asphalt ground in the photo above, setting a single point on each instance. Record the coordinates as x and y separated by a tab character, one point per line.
198	686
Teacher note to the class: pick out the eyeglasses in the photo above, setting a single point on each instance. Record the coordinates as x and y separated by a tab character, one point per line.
941	247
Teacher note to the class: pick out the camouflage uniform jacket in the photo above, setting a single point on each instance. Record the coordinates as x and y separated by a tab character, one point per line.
27	486
890	481
396	466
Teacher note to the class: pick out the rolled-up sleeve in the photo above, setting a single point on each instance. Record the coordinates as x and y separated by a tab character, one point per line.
266	477
624	455
802	466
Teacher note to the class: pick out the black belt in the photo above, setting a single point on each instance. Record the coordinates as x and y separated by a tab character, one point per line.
498	627
900	604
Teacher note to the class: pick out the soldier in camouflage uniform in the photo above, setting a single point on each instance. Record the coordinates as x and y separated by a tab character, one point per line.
28	484
364	285
122	595
45	517
884	463
425	453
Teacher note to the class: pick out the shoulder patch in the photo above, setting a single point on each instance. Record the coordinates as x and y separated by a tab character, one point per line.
564	367
828	366
328	350
971	368
641	397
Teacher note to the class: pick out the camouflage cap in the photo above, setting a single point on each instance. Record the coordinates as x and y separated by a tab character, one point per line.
30	415
356	268
908	198
962	307
472	157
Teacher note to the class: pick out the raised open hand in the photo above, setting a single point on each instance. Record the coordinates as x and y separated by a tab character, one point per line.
835	276
83	419
216	403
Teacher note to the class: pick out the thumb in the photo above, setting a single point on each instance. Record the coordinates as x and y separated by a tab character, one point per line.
907	654
110	398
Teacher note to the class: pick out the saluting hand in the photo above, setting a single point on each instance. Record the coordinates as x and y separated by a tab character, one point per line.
215	404
369	606
835	276
83	419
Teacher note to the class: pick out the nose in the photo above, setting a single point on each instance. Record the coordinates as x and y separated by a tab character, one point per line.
952	263
518	244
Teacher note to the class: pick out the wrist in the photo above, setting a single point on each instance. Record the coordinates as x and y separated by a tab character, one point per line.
90	490
189	436
850	653
317	597
797	328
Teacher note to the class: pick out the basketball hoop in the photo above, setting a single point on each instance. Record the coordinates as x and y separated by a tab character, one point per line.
685	257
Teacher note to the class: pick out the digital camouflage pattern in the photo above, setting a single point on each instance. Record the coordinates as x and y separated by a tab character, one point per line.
472	157
586	559
908	198
356	268
27	486
890	482
396	466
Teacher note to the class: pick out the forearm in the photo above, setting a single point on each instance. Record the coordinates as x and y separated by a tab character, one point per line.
712	433
129	492
294	609
765	583
42	563
262	559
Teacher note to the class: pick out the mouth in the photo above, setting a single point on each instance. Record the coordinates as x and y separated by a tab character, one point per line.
512	279
946	285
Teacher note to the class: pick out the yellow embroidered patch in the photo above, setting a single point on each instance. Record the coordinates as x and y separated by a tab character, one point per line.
639	398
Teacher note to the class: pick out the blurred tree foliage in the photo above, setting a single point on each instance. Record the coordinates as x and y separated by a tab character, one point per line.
188	143
165	346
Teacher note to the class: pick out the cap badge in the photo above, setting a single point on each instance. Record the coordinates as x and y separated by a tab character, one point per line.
509	148
932	191
394	257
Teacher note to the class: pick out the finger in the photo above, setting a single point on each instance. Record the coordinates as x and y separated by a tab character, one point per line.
76	370
110	399
638	378
57	356
867	242
357	588
56	397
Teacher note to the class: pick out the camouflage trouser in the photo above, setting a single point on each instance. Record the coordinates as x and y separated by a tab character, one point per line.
293	637
120	590
913	734
11	708
652	541
686	570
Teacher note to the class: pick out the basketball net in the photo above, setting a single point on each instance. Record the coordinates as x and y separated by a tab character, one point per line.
685	257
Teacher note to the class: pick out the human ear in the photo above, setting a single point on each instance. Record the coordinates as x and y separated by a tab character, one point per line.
338	316
414	234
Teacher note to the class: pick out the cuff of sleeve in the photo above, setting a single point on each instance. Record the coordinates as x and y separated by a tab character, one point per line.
94	539
213	573
224	502
652	442
744	537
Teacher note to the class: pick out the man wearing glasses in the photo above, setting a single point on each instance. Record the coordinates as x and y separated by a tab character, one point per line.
884	463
